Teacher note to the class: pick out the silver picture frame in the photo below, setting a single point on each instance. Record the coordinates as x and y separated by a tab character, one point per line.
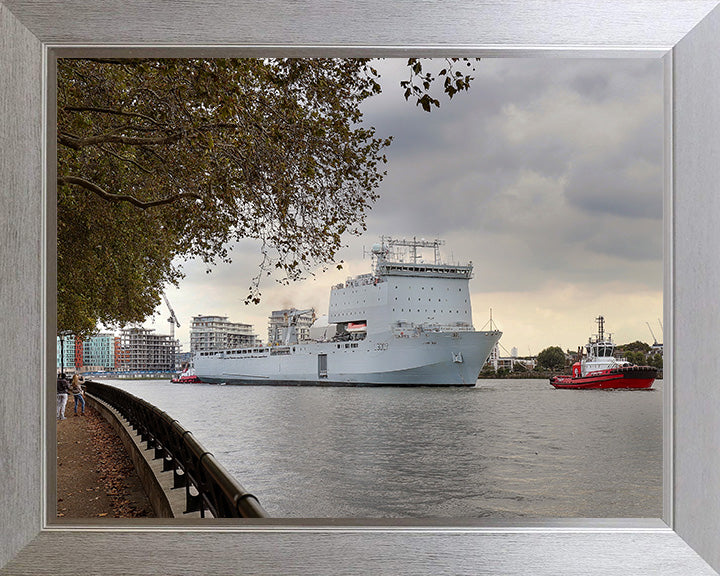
684	33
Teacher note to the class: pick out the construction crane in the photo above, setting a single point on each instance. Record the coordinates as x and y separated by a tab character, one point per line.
173	319
173	322
655	342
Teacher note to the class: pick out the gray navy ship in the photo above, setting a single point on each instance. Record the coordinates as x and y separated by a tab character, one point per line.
407	323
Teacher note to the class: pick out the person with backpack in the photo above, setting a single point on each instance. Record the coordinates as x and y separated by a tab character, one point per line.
62	395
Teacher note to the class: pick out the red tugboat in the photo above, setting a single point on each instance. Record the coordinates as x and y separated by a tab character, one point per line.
600	369
187	376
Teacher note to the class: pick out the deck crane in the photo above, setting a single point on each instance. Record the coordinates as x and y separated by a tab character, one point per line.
291	319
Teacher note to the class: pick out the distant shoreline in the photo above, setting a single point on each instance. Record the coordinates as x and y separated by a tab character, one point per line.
534	375
517	375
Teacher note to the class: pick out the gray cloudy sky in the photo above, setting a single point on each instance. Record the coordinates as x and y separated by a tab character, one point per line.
547	175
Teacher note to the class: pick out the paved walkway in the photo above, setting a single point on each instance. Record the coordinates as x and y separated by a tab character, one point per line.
95	476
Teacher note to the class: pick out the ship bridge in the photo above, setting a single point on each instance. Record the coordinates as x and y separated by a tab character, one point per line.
426	270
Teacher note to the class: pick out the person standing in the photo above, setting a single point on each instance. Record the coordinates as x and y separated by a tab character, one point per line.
62	396
77	392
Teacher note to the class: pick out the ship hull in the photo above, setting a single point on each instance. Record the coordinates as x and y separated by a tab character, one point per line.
384	359
632	377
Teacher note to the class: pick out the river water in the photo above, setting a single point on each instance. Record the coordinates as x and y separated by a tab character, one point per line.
501	449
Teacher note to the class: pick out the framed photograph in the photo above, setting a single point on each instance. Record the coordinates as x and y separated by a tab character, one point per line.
682	34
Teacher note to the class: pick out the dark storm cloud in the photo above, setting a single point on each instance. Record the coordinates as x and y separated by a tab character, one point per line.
621	186
531	161
595	86
625	181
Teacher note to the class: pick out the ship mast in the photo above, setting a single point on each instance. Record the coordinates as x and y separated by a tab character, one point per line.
601	332
414	244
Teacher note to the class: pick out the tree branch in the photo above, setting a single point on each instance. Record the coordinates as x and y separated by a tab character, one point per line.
110	111
153	153
123	61
77	143
123	197
123	159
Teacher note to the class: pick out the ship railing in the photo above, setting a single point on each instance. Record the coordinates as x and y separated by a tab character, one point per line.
208	485
357	281
427	270
413	329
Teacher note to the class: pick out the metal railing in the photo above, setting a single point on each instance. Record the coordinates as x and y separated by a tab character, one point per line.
208	485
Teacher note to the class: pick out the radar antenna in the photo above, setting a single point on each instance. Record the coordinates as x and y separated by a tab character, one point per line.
414	244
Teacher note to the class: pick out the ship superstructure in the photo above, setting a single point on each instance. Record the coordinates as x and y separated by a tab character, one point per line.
408	322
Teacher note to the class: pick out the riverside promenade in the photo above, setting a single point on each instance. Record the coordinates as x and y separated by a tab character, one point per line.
95	475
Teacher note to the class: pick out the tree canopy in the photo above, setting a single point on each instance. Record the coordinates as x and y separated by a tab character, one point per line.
552	358
170	159
636	346
635	358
